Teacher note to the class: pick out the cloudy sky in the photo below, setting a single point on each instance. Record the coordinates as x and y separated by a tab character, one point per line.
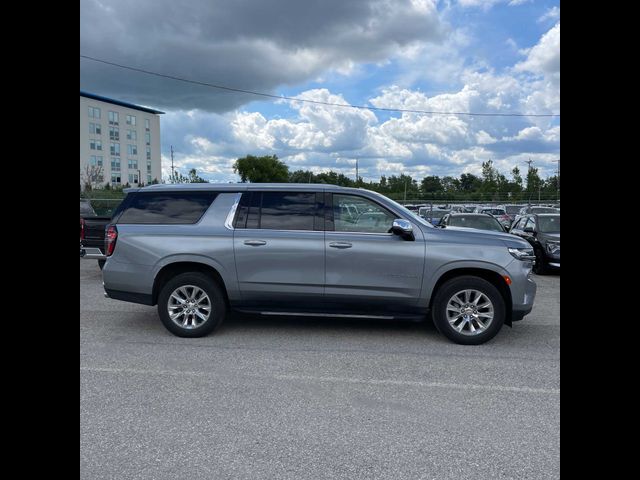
486	56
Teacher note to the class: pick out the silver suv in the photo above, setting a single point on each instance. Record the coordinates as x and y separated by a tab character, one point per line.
199	250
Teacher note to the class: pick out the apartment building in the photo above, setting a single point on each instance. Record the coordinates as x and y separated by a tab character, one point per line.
119	142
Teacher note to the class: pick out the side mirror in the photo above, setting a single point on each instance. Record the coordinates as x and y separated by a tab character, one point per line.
403	228
528	230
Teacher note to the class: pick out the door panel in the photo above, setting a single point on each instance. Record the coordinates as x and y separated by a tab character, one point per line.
370	271
275	266
280	257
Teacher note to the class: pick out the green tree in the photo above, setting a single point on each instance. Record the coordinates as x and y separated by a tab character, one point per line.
533	182
489	184
177	177
261	169
450	185
469	182
335	178
195	178
517	178
302	176
431	184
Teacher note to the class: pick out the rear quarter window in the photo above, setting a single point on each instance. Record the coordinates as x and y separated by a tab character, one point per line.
166	208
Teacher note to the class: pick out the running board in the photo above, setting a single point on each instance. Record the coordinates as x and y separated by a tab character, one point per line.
332	315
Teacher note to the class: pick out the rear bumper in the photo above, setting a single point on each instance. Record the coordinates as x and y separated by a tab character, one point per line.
91	253
131	297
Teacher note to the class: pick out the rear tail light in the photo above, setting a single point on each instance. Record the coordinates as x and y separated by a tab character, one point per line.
110	238
81	229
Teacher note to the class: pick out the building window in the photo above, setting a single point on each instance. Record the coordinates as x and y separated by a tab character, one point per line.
132	149
95	144
115	164
131	120
113	118
133	164
115	178
115	149
114	133
148	178
94	112
147	138
95	128
148	153
96	160
148	167
133	178
146	124
132	135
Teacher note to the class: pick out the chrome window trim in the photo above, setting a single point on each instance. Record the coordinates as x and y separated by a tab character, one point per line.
228	223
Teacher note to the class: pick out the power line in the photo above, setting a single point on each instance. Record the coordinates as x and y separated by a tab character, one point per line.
317	102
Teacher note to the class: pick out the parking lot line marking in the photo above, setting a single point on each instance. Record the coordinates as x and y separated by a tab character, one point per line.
408	383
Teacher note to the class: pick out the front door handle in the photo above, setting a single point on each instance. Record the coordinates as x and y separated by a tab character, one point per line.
340	245
255	243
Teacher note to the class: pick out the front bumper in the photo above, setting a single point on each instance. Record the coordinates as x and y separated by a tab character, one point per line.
523	288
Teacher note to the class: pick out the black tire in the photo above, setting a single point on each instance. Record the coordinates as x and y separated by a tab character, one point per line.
210	287
455	285
540	267
101	263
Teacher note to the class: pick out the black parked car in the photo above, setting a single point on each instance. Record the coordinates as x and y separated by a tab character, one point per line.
481	221
542	231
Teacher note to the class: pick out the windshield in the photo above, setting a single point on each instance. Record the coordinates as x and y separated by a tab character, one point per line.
86	208
482	223
427	213
512	209
543	210
493	211
549	224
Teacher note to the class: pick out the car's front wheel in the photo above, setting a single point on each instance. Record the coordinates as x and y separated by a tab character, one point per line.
468	310
191	305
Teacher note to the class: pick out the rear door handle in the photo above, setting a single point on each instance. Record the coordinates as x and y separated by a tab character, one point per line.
340	245
255	243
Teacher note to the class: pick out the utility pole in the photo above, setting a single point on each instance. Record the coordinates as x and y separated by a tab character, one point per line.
528	187
172	172
405	191
357	170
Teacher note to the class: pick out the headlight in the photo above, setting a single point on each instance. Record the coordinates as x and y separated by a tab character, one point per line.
522	253
553	247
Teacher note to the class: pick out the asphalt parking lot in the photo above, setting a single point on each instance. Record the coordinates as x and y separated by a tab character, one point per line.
294	398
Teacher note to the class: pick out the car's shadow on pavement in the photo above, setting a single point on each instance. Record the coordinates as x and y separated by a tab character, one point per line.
238	321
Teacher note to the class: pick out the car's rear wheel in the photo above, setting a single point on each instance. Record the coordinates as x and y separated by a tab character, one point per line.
468	310
191	305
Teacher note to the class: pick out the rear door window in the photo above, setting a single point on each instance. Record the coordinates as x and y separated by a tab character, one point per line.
280	211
